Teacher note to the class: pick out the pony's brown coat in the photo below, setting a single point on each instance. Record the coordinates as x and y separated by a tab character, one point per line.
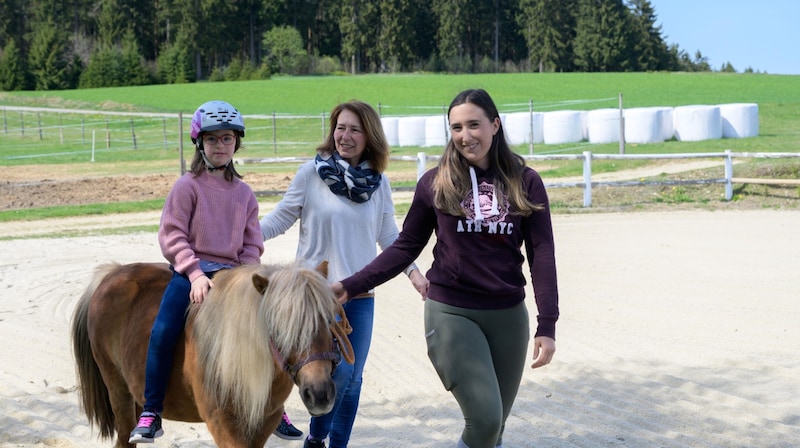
224	373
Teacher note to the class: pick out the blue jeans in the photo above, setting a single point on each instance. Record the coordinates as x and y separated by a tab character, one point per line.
347	377
167	328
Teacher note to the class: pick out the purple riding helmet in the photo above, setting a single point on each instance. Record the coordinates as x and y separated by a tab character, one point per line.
214	116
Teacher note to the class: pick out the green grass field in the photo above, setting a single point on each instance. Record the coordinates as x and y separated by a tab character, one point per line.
778	98
404	94
65	139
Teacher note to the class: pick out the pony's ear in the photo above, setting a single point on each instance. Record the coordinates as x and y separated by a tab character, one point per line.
322	268
260	283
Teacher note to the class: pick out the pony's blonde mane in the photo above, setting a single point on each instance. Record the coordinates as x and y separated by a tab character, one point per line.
234	325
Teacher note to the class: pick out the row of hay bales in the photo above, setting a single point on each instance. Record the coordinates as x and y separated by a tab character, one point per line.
641	125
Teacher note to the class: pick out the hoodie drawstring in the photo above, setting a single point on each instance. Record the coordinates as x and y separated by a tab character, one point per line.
476	199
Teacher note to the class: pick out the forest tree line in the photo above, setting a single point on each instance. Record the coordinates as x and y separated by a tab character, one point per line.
66	44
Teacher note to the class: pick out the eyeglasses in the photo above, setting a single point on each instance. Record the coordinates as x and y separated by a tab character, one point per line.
212	140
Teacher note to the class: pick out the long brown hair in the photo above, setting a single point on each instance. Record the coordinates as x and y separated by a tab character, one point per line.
377	148
452	182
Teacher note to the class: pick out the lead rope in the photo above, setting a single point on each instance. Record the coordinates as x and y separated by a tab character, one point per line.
340	329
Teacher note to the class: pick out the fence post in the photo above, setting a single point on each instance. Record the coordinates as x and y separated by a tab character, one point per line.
530	112
621	126
133	134
274	134
444	124
422	160
164	130
587	179
180	143
728	175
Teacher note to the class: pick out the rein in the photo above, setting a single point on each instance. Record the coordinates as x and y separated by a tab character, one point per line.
342	349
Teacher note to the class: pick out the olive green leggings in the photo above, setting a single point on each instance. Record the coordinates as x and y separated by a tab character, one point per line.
479	356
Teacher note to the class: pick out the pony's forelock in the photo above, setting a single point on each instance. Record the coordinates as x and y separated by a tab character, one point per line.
300	320
290	313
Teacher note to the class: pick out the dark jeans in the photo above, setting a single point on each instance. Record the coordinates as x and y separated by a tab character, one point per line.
164	336
347	377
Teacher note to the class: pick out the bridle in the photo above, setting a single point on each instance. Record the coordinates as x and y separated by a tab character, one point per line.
340	348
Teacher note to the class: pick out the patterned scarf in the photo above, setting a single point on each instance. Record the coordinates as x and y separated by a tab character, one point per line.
357	184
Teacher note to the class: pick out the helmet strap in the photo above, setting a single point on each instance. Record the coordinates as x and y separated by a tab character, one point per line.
209	166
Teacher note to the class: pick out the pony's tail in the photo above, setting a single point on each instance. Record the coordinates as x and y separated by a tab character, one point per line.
95	400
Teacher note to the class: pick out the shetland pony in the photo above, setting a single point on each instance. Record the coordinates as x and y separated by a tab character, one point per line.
260	330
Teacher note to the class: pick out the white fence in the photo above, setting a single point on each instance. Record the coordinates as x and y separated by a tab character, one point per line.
727	157
283	133
598	126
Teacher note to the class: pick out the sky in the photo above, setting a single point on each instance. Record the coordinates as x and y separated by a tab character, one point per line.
761	34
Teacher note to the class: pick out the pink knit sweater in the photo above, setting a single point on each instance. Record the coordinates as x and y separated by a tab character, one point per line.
209	218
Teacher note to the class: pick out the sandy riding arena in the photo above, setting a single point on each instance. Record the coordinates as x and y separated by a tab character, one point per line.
678	329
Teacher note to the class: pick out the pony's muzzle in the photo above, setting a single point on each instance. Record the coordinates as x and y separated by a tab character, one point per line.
318	398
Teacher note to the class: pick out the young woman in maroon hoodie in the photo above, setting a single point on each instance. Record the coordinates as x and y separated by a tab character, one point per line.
484	204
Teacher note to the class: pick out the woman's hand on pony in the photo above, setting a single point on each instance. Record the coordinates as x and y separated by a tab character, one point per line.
340	293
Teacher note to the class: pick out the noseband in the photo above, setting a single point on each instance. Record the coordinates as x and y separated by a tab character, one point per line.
341	348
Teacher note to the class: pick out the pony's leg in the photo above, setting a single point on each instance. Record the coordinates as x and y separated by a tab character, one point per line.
224	430
124	408
226	433
270	423
123	405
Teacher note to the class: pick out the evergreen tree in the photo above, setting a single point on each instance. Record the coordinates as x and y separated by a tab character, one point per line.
649	48
673	58
112	66
511	46
727	67
465	31
133	67
183	41
700	63
56	38
175	61
104	69
424	22
397	35
12	68
223	33
452	18
548	28
12	22
111	23
357	24
48	58
318	23
602	36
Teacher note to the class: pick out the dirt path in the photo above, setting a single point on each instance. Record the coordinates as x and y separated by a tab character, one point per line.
63	189
678	329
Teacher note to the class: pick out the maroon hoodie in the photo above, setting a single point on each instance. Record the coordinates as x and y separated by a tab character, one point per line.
476	265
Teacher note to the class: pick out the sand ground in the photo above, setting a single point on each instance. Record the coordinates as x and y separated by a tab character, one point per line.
678	329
